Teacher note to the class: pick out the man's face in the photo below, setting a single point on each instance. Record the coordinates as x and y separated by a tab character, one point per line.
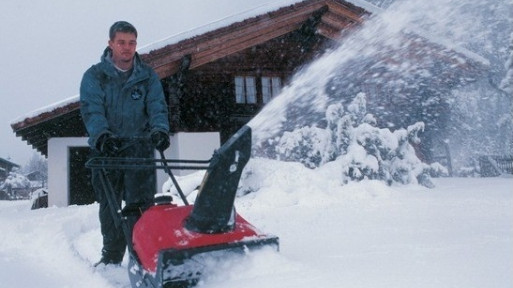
123	47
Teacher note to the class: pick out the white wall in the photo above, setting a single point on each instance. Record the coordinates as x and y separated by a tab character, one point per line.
191	146
58	174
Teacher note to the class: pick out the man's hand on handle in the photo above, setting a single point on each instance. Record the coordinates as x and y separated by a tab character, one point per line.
160	140
109	145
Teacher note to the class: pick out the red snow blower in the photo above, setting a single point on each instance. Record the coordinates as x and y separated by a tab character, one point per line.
173	246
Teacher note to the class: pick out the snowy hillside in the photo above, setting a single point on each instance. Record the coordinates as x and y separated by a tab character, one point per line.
366	234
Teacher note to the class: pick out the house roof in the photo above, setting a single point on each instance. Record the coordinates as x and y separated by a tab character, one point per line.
203	46
8	163
219	43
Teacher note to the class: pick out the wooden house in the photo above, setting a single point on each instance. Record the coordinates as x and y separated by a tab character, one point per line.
214	82
6	167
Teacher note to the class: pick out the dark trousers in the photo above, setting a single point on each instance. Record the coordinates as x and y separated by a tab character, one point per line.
135	186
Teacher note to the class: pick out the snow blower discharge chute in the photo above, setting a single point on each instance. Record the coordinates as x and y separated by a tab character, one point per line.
171	245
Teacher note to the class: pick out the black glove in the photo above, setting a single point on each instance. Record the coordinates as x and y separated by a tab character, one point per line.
160	140
109	145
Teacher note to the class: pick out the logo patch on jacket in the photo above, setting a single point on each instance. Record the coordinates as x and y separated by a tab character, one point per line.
136	93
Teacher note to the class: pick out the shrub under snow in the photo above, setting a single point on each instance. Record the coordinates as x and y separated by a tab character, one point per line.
364	150
15	180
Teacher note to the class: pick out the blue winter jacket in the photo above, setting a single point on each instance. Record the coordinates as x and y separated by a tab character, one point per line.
135	108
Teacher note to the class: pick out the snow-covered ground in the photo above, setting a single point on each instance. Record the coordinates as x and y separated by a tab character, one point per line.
367	234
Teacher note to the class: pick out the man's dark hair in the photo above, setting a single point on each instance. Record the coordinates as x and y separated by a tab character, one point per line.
121	26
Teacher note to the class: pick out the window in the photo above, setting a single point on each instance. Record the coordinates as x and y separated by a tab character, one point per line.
271	86
245	90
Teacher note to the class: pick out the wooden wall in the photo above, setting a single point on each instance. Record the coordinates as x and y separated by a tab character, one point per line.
203	99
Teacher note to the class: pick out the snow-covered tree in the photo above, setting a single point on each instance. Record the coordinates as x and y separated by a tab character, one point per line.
365	151
507	81
14	181
37	164
307	144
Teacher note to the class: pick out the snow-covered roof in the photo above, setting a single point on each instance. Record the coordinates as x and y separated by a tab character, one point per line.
47	109
369	5
2	160
173	39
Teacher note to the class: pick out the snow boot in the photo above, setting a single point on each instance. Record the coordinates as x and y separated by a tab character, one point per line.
110	258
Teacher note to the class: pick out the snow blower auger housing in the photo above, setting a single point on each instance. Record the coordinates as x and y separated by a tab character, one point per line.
173	246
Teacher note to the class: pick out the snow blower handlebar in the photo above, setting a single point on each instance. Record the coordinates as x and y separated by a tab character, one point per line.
145	163
108	163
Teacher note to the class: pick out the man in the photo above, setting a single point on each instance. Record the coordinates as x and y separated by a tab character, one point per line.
125	114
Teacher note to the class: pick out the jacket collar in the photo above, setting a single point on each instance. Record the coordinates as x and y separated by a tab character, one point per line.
109	68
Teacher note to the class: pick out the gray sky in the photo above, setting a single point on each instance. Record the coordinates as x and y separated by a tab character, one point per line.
46	46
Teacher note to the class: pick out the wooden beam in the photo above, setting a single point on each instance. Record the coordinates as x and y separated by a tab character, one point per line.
219	35
39	141
248	30
167	69
221	51
328	31
240	35
263	26
336	21
345	11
